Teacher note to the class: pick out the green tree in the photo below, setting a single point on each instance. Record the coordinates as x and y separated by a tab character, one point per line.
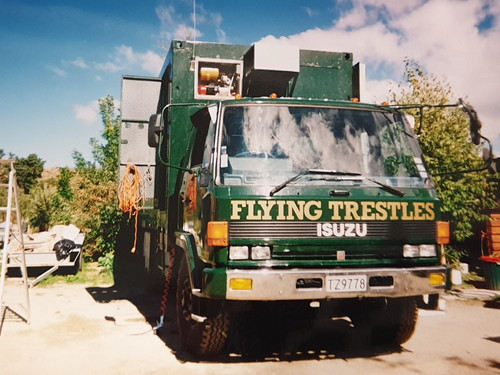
64	184
96	185
28	171
39	207
445	141
104	154
48	204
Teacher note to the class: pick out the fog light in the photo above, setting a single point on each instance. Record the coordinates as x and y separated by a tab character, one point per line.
261	252
410	251
238	252
436	279
427	250
240	284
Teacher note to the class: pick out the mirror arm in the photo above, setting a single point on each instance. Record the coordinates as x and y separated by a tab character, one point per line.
475	127
487	161
160	133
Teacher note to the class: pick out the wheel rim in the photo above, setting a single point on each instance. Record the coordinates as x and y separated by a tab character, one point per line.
186	303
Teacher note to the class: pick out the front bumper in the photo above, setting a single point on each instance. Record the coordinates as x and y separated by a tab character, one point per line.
307	284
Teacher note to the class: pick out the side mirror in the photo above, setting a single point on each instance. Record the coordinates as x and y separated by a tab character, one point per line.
154	129
204	178
475	123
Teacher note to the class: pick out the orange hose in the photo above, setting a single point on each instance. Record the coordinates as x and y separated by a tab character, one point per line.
132	195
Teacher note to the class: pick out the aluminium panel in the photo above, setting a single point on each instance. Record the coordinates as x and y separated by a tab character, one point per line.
134	148
140	97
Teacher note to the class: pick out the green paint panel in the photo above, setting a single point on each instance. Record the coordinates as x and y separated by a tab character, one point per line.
215	280
324	75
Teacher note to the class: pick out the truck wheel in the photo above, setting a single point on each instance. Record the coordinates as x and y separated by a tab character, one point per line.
203	337
395	323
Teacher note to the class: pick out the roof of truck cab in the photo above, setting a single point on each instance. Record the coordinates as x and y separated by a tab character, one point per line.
311	102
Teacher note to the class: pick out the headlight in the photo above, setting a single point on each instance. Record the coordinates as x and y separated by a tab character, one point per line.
245	252
427	250
410	251
238	252
424	251
261	252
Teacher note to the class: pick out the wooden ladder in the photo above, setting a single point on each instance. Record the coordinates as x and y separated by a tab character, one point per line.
9	237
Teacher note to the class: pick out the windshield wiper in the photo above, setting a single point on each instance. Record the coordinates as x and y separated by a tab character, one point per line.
386	187
311	171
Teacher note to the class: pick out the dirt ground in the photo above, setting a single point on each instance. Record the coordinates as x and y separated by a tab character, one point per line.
77	329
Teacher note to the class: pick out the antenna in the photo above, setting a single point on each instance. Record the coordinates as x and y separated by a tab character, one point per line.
194	25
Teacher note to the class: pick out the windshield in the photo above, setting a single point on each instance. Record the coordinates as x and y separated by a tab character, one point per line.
268	144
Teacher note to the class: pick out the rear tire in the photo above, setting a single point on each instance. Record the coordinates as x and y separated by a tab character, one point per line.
203	338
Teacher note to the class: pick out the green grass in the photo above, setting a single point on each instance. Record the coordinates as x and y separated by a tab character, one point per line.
91	274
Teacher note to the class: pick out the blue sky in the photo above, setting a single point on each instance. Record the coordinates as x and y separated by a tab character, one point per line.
58	58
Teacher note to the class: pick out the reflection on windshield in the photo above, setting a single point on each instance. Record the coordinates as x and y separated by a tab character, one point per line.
266	144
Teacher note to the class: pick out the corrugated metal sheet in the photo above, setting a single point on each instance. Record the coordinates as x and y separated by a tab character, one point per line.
139	98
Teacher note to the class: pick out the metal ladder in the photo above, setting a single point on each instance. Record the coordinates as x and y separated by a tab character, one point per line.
9	236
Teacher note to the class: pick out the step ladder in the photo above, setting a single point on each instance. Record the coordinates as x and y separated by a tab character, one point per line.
13	235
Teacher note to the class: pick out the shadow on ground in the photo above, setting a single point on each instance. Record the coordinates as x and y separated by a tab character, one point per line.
267	337
253	339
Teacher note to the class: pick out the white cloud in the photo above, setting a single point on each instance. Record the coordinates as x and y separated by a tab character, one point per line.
126	59
441	36
88	114
108	66
212	20
311	12
57	71
174	26
125	52
79	63
151	62
166	14
186	32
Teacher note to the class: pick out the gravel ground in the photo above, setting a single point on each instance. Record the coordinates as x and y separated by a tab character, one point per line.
77	329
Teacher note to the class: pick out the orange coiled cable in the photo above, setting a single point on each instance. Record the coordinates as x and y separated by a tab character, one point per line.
166	288
132	195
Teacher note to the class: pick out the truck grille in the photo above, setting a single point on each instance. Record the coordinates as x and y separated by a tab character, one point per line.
274	230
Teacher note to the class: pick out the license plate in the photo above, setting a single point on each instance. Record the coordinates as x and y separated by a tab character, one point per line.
352	283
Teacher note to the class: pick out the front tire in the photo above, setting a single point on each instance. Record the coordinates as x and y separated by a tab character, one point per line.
395	323
389	321
201	336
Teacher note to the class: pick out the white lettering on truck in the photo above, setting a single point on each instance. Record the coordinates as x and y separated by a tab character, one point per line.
341	229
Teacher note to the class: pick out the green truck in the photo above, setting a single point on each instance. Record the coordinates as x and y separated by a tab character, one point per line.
274	185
